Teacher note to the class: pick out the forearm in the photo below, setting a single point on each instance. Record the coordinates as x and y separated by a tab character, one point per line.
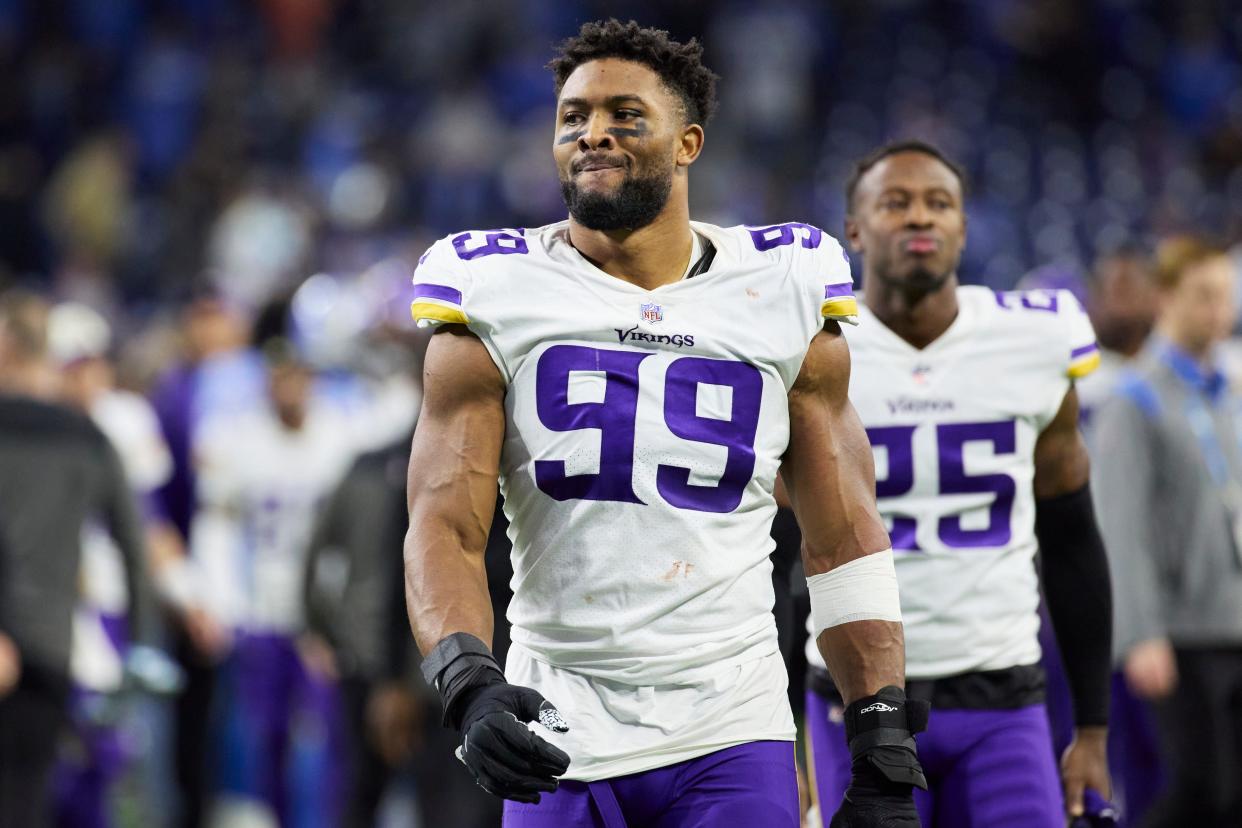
445	585
454	470
862	641
1079	596
863	656
829	474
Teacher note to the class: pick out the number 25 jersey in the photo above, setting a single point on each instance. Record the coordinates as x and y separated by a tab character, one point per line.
644	432
953	427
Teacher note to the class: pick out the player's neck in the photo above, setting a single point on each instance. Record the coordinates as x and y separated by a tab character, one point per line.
651	256
918	317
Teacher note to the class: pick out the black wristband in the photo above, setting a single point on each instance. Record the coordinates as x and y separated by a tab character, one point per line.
880	730
459	663
886	718
1079	597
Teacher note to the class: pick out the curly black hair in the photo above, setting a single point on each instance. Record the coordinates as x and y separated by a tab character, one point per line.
679	65
880	153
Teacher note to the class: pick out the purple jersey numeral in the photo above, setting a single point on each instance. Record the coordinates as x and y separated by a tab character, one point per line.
898	443
496	242
779	235
737	434
952	437
1037	300
614	417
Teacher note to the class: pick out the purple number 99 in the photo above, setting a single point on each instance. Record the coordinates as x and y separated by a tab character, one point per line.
615	417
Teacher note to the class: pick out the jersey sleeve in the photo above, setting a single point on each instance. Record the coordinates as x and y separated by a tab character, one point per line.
833	269
1082	353
441	287
460	280
820	265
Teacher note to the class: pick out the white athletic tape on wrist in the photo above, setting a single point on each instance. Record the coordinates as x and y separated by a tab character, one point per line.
864	589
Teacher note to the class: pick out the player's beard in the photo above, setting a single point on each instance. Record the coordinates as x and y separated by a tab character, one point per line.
924	280
635	203
919	280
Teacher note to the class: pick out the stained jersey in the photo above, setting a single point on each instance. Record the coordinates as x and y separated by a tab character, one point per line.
953	429
643	436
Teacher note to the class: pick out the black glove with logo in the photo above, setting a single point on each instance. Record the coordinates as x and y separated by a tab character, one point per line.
504	756
885	767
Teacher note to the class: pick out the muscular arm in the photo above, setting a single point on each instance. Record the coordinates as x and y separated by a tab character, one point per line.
454	466
830	478
1076	586
1061	462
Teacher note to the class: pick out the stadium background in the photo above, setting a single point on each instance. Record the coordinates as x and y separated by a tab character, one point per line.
153	151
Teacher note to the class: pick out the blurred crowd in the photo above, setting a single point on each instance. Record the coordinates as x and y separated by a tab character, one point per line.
209	212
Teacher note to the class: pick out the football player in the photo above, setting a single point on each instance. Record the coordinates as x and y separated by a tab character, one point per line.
967	396
634	380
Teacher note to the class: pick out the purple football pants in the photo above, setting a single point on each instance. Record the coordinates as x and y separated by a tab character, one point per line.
284	738
985	768
750	784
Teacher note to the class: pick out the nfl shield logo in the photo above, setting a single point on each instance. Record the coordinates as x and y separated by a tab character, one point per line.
651	312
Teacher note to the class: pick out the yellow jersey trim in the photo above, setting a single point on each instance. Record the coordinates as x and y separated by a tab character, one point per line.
841	306
438	313
1084	366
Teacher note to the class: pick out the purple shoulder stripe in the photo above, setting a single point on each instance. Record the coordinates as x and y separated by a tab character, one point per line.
838	291
427	290
1084	350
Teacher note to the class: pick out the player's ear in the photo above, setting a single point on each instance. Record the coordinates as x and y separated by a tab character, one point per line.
690	145
852	235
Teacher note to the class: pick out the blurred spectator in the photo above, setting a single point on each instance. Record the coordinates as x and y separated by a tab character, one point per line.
360	530
79	340
1122	303
1168	470
218	374
57	470
263	475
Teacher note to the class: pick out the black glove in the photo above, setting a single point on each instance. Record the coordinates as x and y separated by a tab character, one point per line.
504	756
885	767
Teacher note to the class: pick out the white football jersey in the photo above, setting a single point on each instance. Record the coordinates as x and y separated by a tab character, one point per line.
644	433
260	486
953	427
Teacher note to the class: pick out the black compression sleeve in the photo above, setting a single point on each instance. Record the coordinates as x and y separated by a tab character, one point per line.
1076	586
